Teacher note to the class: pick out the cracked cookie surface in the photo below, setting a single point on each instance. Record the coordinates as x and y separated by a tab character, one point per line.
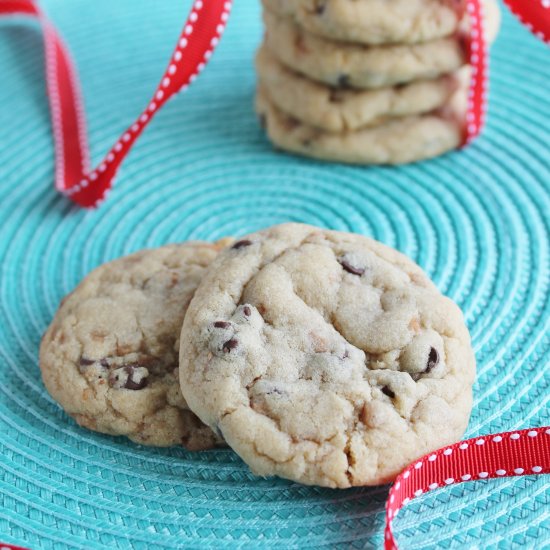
325	357
110	355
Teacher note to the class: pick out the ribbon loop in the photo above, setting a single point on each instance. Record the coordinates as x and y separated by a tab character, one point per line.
73	177
507	454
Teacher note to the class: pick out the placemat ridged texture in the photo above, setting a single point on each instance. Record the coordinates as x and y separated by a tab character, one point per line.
476	220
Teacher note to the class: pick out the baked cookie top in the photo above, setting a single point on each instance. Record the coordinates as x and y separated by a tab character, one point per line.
374	21
110	355
325	357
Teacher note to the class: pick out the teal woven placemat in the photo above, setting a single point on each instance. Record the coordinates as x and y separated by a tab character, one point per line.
476	220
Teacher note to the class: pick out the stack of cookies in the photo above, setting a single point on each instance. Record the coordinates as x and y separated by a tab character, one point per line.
365	81
322	357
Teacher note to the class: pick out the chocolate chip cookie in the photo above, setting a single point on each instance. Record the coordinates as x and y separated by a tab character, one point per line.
346	65
110	355
398	140
350	65
340	110
324	357
374	21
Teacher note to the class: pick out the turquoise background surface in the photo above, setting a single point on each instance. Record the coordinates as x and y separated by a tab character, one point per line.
477	220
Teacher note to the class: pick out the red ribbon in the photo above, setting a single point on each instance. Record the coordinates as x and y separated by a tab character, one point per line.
478	59
73	176
534	14
507	454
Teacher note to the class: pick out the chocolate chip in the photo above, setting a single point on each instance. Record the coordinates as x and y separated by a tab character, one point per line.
129	377
241	244
346	355
344	81
131	383
98	365
336	96
387	391
222	324
247	311
263	121
320	8
276	391
433	359
351	268
291	123
85	364
230	344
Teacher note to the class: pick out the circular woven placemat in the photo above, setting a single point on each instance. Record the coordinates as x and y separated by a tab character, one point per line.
476	220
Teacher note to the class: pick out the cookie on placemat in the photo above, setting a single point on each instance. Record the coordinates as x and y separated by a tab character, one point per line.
339	110
397	141
325	357
110	356
373	21
348	65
